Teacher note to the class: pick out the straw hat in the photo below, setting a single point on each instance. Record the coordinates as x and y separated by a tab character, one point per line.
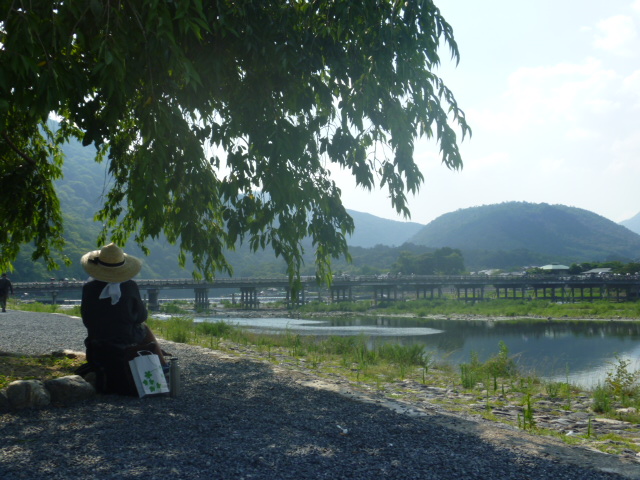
111	264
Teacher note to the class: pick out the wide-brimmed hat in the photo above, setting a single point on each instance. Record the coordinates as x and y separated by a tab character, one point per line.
111	264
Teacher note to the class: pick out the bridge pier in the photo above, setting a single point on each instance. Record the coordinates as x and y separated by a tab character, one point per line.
581	288
430	288
341	293
572	293
249	297
153	304
389	289
514	291
555	292
466	288
626	293
300	300
201	299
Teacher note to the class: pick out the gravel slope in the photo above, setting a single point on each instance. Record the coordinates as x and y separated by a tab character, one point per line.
241	419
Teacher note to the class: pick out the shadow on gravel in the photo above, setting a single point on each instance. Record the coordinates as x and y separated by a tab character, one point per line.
238	419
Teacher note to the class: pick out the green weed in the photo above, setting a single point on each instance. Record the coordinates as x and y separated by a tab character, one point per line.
622	382
602	400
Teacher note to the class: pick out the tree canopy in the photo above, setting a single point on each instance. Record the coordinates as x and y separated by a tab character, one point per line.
219	121
443	261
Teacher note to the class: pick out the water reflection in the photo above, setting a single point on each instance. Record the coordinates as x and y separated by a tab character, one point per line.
325	329
582	350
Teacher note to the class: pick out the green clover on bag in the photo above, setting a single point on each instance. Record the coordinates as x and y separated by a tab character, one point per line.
148	381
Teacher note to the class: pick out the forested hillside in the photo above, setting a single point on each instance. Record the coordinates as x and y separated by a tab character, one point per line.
80	192
633	223
371	231
567	234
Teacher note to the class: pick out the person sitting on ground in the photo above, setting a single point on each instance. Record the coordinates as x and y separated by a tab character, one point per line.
5	288
114	314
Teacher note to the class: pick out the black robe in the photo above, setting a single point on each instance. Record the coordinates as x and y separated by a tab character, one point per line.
122	323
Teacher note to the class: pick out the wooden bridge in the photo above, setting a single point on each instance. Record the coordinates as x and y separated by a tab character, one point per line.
378	287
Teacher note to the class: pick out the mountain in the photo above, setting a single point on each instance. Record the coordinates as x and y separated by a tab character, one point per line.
557	232
633	223
81	193
371	231
494	236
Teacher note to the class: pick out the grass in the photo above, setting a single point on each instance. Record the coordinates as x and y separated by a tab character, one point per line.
356	352
39	368
43	308
519	308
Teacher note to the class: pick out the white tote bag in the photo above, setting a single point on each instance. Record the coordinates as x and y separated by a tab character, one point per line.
148	375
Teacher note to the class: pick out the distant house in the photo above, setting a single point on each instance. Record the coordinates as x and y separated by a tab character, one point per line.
597	271
555	268
490	271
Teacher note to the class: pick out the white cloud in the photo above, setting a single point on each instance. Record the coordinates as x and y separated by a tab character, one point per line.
636	6
487	162
551	165
625	154
631	88
579	134
616	34
560	95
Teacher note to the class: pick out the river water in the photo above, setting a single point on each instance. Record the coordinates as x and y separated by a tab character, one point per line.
580	351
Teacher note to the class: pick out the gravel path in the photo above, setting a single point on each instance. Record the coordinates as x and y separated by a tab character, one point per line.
241	419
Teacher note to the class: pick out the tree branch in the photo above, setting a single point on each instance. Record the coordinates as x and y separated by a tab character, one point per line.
20	153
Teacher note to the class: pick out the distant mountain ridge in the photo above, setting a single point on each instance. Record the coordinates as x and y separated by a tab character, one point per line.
633	223
493	236
371	231
570	233
80	192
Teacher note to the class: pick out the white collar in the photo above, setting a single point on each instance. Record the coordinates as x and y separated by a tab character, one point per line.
111	290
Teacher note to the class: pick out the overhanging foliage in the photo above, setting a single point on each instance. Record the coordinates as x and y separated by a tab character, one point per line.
219	120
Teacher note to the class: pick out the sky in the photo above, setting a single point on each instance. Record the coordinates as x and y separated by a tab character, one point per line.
551	90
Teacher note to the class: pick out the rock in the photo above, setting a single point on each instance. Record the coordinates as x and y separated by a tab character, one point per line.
27	394
4	401
35	394
70	389
578	416
626	411
609	421
67	354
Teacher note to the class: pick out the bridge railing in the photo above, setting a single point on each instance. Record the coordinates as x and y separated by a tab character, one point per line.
282	282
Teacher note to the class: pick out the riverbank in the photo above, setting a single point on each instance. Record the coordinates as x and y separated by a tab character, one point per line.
284	313
521	400
244	415
491	310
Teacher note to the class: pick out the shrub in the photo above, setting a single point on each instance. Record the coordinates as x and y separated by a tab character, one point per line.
172	307
214	329
601	399
621	382
501	365
178	329
471	373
